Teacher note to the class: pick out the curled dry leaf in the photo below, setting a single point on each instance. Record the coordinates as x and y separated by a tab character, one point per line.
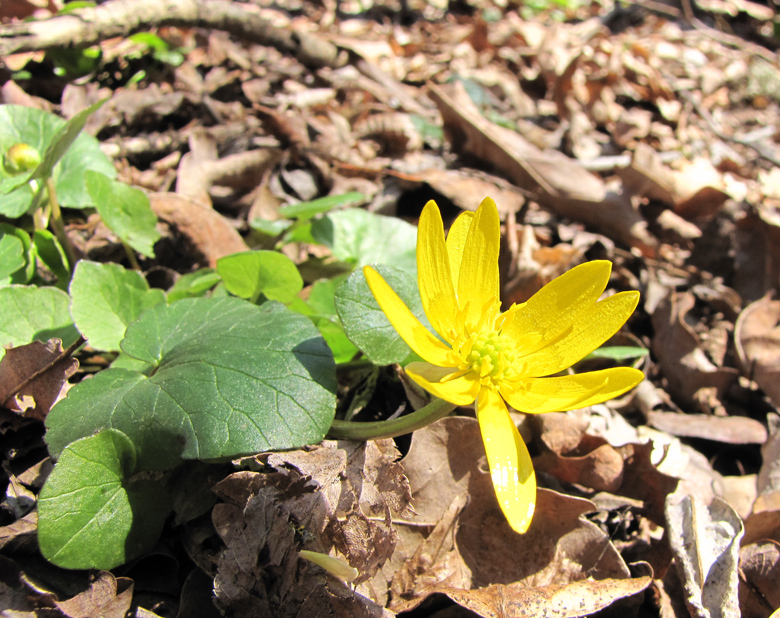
705	541
107	596
678	349
210	235
729	429
336	499
764	520
472	547
32	376
759	573
757	339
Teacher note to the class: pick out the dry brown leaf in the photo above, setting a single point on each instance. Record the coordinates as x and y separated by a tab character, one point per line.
705	541
680	355
757	260
20	533
209	234
757	339
477	548
107	596
467	188
759	573
729	429
32	376
334	498
553	601
600	470
557	182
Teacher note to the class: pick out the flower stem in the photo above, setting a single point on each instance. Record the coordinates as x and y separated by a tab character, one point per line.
59	226
347	430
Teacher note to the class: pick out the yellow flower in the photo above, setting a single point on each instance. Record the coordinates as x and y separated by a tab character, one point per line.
492	357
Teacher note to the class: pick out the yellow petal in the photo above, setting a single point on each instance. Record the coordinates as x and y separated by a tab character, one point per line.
538	395
510	464
478	279
559	304
461	391
456	241
411	330
433	273
592	328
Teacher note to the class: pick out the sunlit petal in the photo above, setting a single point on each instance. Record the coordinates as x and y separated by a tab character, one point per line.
456	241
411	330
539	395
510	464
433	273
593	328
461	390
478	280
553	310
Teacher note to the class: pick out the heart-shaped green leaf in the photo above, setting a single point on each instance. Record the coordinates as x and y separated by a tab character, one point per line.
125	210
28	313
366	238
90	516
106	298
366	324
251	273
230	378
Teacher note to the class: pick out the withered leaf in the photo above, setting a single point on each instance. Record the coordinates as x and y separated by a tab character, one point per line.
107	596
32	377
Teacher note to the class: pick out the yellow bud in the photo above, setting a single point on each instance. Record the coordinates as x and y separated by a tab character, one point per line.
21	158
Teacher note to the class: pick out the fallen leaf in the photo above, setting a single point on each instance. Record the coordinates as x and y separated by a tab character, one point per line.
338	499
705	541
557	182
757	339
680	356
33	376
208	233
728	429
107	597
759	566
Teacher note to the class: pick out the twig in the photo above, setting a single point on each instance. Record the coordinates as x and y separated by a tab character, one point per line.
120	18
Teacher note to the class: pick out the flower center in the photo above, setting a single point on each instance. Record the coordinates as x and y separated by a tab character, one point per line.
491	355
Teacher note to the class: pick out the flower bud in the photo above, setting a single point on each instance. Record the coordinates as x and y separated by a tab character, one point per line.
21	158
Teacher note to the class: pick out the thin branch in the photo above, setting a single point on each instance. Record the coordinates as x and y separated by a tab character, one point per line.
120	18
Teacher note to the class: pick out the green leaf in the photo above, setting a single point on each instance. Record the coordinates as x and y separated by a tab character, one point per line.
270	228
321	309
50	252
29	313
89	515
26	273
251	273
617	353
366	324
106	298
193	284
306	210
68	154
366	238
11	257
125	211
230	378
